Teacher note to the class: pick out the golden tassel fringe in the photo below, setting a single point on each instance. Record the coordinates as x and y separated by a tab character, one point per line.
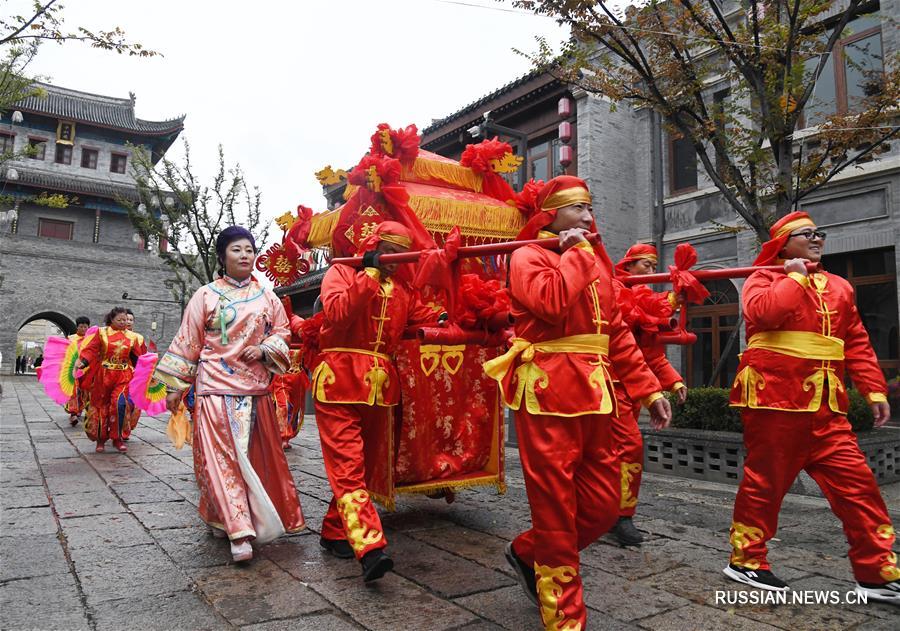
473	219
424	170
454	485
322	227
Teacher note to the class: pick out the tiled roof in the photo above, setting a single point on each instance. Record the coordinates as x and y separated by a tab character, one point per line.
104	111
54	182
471	107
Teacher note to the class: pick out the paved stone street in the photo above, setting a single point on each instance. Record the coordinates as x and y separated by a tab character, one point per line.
112	541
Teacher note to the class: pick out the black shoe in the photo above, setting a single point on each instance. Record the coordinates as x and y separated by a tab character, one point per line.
524	574
763	579
375	564
885	592
337	547
625	533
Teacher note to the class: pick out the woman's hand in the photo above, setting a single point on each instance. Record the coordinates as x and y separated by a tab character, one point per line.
173	401
252	354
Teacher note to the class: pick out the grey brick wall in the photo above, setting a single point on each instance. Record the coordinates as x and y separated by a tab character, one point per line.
66	279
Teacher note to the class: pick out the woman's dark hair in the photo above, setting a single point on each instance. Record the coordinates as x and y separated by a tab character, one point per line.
227	236
129	311
82	320
113	313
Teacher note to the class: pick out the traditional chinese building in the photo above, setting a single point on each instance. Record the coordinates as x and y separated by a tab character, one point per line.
67	247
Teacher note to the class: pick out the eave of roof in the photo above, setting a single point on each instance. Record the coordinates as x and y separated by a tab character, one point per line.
96	109
53	182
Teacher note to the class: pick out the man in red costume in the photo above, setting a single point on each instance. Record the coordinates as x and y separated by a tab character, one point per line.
803	330
557	376
643	311
355	382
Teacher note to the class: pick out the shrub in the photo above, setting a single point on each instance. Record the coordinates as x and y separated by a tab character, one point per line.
859	413
707	408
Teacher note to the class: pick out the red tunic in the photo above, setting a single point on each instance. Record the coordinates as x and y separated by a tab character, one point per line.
554	297
365	317
802	334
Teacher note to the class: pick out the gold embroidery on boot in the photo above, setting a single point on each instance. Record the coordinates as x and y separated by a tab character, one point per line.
358	534
885	531
889	571
627	471
741	537
549	590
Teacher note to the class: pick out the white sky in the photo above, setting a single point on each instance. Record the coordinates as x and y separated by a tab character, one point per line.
289	87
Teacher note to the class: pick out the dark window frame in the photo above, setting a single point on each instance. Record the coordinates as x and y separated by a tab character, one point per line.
84	151
673	190
37	141
839	72
114	157
11	135
63	147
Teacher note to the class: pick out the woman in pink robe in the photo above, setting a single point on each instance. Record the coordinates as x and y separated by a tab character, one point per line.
233	337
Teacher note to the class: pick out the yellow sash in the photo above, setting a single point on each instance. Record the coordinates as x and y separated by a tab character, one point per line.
527	374
802	344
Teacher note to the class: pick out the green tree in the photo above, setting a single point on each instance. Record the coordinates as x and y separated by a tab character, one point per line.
172	204
770	53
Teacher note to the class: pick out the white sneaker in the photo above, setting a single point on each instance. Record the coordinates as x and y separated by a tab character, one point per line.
884	592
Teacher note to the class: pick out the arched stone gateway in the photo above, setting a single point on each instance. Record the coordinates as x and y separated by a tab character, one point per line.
9	337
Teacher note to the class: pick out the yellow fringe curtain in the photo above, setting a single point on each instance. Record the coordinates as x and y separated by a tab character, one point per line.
473	219
322	227
424	170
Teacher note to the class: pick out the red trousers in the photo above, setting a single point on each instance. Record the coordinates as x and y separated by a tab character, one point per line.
628	451
108	409
572	486
351	514
780	445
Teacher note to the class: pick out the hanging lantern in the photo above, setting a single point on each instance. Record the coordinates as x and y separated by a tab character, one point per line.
566	155
565	132
17	117
169	202
154	201
142	208
12	174
564	107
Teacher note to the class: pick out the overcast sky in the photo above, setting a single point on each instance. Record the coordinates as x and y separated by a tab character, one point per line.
289	87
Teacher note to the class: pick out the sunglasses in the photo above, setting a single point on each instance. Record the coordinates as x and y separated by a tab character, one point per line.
810	234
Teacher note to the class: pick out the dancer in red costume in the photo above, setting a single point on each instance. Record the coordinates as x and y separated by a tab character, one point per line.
75	405
108	357
803	331
569	336
644	311
366	312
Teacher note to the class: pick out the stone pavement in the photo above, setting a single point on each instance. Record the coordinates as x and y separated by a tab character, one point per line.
112	541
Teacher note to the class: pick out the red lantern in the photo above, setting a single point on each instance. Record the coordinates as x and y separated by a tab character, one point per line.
566	155
564	108
565	132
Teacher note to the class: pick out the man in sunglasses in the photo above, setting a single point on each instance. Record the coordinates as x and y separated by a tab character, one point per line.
803	331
